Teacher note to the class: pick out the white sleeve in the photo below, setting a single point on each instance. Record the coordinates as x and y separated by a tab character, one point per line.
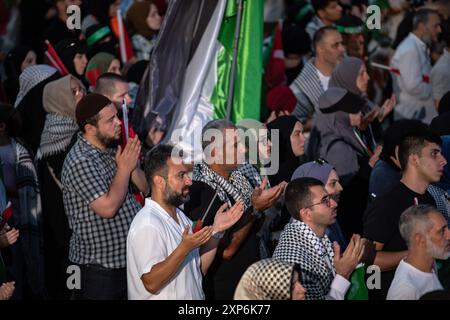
411	75
402	291
147	248
339	288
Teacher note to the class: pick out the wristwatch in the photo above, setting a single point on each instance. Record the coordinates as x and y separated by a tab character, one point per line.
217	234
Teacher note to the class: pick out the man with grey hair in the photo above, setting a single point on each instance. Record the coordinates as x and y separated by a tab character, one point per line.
427	236
412	86
216	181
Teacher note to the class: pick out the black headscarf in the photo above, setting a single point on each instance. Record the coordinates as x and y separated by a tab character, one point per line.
13	69
96	36
100	10
67	49
288	162
33	114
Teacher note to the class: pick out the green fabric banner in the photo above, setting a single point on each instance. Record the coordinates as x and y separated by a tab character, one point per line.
247	84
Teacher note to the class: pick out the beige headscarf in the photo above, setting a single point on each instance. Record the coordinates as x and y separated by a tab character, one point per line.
58	97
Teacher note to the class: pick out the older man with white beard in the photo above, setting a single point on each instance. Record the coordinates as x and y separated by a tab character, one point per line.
426	233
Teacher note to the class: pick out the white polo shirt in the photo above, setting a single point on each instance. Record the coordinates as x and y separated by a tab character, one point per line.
152	237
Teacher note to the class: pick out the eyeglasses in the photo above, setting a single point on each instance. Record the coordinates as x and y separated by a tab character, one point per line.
325	200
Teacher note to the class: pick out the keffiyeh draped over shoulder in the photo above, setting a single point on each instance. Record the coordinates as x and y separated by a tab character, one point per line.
300	245
268	279
60	124
237	187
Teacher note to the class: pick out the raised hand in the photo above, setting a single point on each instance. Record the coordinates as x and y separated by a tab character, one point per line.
6	290
263	199
190	241
9	237
387	107
127	159
346	263
224	218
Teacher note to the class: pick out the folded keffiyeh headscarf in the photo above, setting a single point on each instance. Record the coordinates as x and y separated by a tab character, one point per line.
268	279
236	188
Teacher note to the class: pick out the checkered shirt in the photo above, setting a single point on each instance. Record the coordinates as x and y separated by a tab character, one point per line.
87	175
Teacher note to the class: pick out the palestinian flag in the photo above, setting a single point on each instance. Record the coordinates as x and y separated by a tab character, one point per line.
188	80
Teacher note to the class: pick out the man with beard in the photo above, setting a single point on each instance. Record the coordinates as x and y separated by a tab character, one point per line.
216	181
165	256
412	86
98	201
426	233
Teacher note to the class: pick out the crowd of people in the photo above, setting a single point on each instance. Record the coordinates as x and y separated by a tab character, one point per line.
358	127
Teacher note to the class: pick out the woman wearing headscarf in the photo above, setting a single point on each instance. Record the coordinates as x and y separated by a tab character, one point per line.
29	102
258	152
73	55
100	38
270	279
291	147
23	190
342	146
99	64
59	99
144	22
351	74
17	60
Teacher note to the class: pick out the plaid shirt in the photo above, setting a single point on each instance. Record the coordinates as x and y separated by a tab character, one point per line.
87	175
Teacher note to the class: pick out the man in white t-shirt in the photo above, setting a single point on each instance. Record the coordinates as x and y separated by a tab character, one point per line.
426	233
165	258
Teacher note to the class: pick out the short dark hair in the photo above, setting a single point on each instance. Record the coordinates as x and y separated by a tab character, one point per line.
298	194
321	4
218	124
414	145
105	83
11	118
320	34
156	161
422	16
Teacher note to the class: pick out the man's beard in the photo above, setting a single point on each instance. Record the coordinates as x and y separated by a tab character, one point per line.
174	198
106	141
436	252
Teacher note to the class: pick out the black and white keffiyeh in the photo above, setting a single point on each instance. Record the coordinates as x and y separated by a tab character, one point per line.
267	279
56	136
237	186
300	245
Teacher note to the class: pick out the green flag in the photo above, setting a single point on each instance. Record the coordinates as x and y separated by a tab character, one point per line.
247	83
358	289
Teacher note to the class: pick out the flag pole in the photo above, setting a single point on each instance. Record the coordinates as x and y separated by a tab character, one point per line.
234	61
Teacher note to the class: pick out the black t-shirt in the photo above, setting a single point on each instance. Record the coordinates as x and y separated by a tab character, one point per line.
381	224
223	276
